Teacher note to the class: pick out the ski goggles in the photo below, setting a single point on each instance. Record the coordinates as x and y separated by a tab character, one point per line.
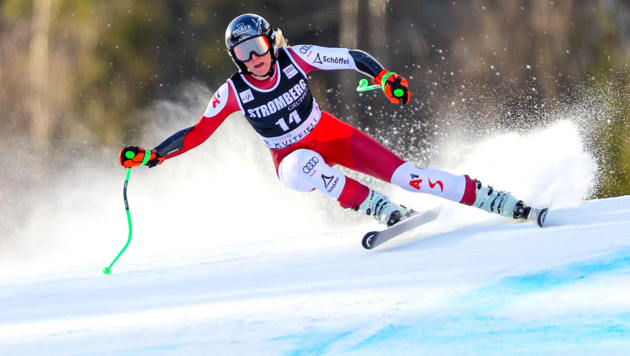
257	45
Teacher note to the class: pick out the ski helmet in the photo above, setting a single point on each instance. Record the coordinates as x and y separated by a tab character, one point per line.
247	27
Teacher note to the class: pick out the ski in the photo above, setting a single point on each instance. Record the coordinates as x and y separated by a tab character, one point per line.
538	216
375	238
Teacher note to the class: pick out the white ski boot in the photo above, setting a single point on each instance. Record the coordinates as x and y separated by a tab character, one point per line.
384	210
494	201
504	204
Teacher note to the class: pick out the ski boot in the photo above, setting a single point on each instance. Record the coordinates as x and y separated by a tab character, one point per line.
504	204
382	209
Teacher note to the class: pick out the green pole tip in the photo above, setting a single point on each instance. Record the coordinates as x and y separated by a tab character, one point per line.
363	86
130	155
106	270
399	93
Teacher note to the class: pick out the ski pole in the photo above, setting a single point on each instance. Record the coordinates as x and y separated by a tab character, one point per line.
363	86
107	270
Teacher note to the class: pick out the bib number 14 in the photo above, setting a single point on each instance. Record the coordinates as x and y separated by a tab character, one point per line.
293	117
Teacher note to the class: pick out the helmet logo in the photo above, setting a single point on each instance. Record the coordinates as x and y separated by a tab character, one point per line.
260	24
240	28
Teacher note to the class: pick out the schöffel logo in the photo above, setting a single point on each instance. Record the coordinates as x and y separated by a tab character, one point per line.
327	180
310	165
331	60
330	181
240	28
246	96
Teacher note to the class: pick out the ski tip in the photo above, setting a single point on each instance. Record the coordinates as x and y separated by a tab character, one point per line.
542	216
367	240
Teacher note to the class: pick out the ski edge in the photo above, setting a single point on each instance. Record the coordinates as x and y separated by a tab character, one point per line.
375	238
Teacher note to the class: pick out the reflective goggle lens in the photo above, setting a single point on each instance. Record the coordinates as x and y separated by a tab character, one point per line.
257	45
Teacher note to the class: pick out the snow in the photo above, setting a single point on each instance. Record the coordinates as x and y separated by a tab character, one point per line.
293	279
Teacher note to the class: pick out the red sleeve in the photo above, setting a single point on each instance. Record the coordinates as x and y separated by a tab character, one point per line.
300	62
222	105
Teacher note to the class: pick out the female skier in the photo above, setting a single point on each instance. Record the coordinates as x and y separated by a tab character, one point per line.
271	89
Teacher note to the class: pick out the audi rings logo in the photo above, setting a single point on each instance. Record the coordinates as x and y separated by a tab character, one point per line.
304	49
310	165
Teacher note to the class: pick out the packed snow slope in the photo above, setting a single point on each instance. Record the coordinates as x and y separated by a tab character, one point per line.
289	277
491	289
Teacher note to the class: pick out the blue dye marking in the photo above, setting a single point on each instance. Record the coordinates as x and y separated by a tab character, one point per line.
313	343
562	276
604	334
475	332
485	299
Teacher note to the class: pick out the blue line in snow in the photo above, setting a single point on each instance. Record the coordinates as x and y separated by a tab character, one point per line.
562	276
475	335
475	332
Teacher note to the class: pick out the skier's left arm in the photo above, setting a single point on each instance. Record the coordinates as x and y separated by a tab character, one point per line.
310	58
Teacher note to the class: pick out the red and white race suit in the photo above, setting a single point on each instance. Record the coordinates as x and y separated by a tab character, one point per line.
306	143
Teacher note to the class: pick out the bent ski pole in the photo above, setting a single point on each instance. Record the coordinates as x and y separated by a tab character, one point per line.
363	86
107	270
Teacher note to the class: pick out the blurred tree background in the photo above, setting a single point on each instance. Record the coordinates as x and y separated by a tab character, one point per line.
77	73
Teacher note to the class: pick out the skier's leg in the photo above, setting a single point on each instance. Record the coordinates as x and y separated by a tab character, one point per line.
434	182
305	170
345	145
370	157
459	189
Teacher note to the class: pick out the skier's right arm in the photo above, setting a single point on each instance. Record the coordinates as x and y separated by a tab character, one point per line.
222	104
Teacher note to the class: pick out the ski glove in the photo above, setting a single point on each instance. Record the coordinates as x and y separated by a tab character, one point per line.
133	156
395	87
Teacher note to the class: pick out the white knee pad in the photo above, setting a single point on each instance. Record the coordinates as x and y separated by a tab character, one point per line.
431	181
304	170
